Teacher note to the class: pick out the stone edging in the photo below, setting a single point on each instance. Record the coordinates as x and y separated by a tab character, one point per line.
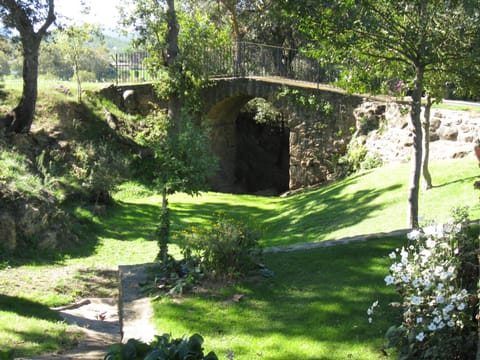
135	309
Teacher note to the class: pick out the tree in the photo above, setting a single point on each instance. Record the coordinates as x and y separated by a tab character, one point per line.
183	164
421	35
31	19
183	160
72	43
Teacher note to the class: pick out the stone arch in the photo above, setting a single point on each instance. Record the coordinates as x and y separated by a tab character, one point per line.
318	134
226	138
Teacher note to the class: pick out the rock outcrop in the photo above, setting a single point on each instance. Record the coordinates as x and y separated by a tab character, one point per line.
452	132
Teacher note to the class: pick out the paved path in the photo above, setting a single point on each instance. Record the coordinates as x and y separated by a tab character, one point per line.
97	319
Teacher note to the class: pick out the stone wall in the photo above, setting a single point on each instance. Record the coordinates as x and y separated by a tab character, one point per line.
134	99
386	131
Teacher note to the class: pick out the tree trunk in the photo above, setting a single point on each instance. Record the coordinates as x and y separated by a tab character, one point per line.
417	148
24	22
79	82
164	229
174	102
426	144
24	112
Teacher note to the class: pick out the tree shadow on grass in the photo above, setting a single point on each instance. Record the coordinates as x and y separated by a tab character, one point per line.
471	178
27	308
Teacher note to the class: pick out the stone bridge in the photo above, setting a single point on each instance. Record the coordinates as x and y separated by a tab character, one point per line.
301	150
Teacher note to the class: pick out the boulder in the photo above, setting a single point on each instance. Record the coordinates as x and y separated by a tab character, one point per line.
130	101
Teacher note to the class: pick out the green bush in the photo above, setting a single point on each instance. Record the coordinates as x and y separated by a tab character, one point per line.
225	249
86	76
99	168
17	176
371	161
161	348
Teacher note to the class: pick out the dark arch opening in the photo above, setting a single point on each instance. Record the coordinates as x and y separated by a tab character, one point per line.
262	159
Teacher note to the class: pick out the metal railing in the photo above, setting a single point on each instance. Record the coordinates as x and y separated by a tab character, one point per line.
131	67
238	60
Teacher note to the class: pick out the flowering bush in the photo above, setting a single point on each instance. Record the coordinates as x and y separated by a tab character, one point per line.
436	276
225	249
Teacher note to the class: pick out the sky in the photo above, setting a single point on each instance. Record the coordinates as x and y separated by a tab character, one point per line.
103	12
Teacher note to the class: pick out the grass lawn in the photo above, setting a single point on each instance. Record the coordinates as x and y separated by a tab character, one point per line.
369	202
314	307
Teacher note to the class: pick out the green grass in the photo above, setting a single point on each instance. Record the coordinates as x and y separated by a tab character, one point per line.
365	203
315	306
31	325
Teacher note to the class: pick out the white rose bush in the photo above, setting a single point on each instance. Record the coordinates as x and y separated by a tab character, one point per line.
436	276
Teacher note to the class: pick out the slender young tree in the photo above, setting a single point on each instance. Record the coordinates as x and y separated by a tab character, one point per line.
31	19
183	157
72	41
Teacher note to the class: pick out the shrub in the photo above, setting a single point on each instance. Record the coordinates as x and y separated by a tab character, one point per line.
225	249
371	161
161	348
99	168
436	276
86	76
17	176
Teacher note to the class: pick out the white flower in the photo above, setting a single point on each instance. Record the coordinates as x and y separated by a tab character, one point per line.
441	230
448	308
393	255
413	235
425	254
370	320
420	336
372	307
416	282
430	243
389	280
416	300
429	230
438	270
396	268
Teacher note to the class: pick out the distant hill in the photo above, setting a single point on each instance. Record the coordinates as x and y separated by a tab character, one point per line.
115	41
